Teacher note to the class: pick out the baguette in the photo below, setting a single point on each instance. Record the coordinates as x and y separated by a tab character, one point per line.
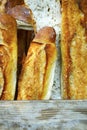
74	49
36	78
8	56
23	16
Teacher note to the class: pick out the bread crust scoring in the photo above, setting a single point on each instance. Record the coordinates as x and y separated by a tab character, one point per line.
74	49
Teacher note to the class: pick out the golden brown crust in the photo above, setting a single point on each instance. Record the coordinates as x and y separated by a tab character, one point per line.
8	56
45	35
2	6
73	47
37	66
22	13
13	3
7	23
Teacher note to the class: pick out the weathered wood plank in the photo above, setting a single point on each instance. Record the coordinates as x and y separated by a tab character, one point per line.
43	115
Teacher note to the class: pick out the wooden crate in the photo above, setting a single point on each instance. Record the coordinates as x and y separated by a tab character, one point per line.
43	115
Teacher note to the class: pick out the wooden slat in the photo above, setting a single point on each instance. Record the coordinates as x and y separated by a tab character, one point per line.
43	115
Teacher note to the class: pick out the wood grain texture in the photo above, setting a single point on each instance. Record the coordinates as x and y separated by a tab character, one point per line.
43	115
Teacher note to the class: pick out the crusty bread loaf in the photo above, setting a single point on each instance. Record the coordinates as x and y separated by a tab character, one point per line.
23	16
36	78
8	57
74	49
